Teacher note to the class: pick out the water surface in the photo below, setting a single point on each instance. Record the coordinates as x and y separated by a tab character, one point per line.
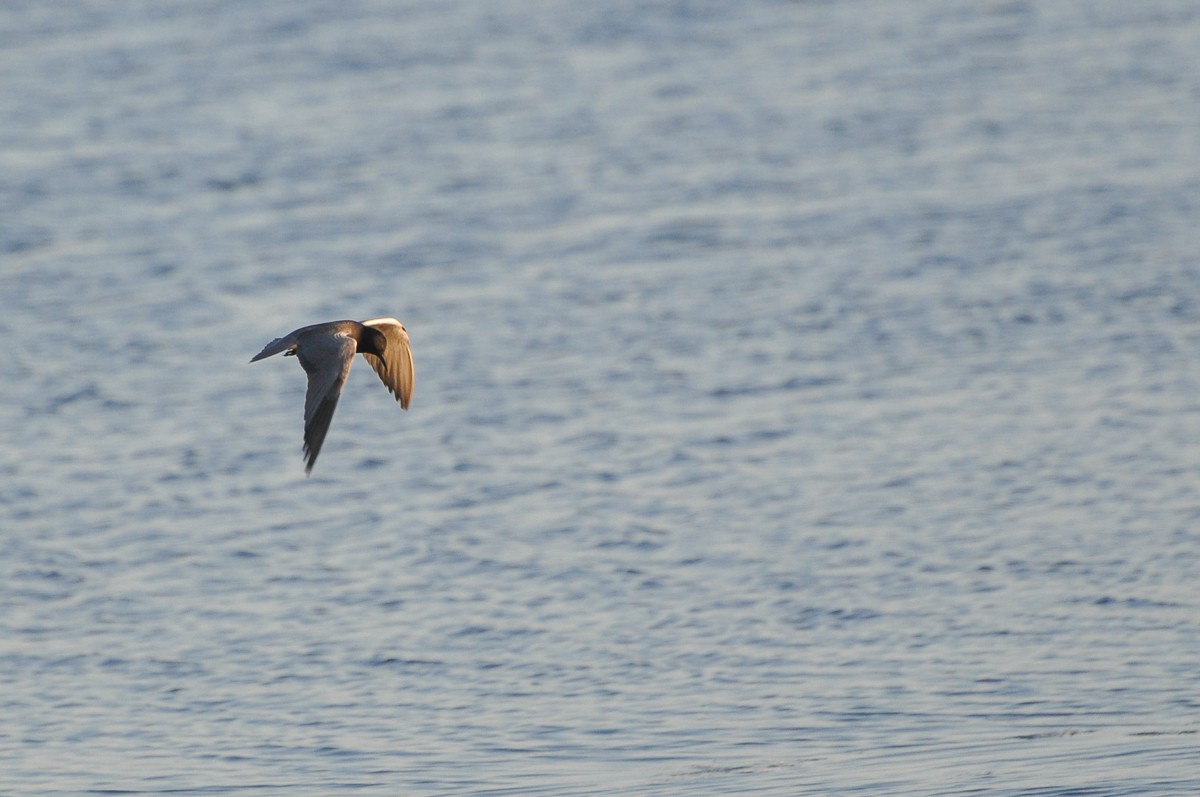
806	399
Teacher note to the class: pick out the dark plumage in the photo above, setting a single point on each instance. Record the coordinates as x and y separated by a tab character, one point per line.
326	352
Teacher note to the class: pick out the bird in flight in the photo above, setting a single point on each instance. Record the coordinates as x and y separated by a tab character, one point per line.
326	352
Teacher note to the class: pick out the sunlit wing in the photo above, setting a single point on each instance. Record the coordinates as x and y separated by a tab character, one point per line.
395	367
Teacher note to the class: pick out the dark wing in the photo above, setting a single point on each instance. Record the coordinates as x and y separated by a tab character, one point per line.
395	367
326	358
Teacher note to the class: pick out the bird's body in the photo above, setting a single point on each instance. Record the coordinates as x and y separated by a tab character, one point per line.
326	352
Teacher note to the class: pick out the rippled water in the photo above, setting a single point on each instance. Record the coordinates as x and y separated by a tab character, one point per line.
806	398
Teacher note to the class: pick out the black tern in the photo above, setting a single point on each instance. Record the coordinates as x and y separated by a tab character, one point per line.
326	352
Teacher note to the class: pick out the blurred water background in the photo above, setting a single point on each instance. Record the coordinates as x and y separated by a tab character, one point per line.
806	398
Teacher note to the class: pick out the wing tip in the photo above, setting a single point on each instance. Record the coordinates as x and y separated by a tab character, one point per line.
310	457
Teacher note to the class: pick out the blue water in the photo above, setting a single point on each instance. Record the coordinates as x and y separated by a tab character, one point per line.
806	401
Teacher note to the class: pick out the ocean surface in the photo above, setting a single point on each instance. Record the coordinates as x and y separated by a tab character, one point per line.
807	398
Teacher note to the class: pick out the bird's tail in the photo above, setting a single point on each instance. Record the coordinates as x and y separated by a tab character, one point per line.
274	347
